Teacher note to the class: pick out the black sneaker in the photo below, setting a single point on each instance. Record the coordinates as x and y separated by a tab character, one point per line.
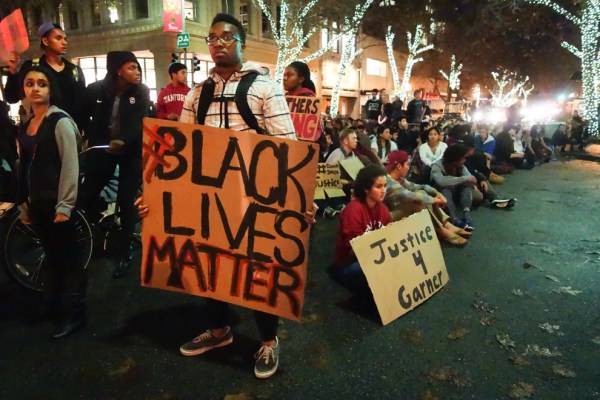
267	361
205	342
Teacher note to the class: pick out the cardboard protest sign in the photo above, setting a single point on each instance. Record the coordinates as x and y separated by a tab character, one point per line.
226	215
328	181
13	35
352	165
403	263
306	115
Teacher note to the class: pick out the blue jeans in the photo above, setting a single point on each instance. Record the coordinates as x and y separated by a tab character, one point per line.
352	278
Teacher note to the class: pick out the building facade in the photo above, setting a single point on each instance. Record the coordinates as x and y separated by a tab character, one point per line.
96	27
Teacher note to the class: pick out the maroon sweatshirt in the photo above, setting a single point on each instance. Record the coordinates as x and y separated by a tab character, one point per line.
356	218
170	100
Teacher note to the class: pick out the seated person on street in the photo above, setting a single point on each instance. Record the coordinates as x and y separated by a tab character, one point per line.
450	176
365	213
404	198
476	165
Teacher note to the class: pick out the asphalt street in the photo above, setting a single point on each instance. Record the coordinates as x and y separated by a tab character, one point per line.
519	319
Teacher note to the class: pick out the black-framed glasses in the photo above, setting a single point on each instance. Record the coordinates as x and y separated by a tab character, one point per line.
225	40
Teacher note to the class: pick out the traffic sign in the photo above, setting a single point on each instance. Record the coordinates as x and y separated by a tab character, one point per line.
183	40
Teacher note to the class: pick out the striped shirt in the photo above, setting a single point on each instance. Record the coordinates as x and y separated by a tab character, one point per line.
265	98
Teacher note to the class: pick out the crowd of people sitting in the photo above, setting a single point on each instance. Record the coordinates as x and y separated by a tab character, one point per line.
448	168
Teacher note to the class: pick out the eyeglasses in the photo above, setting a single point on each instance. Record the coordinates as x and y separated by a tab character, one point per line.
225	40
360	127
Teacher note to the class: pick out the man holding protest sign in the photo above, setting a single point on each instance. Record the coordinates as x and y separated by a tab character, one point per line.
70	78
240	97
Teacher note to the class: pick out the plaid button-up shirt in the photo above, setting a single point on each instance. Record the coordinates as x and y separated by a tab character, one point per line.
265	99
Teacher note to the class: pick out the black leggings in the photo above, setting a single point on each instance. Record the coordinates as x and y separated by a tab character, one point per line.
64	272
99	168
218	315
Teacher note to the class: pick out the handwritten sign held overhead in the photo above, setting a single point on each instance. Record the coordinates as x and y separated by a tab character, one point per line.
306	115
13	35
227	215
403	263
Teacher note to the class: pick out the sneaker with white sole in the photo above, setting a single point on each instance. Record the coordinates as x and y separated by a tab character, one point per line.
267	360
205	342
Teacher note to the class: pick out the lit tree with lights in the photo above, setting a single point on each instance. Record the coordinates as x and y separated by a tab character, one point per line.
389	42
453	77
588	23
415	47
509	85
289	32
349	51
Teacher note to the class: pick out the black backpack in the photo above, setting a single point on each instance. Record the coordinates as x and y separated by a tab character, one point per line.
241	101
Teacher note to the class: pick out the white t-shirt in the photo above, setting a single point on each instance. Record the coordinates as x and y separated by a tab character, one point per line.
428	157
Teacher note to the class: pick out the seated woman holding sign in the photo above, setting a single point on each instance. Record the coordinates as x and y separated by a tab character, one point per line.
365	213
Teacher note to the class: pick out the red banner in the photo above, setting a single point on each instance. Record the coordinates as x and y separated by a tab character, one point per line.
13	35
173	15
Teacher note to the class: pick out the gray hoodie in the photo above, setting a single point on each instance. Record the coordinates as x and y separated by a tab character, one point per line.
67	138
442	179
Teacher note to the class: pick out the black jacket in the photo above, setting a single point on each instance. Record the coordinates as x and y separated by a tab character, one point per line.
505	146
71	82
51	172
134	106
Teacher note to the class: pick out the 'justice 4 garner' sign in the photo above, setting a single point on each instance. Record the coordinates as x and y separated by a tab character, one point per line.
403	263
226	215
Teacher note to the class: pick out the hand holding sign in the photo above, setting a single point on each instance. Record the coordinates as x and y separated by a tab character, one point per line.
403	263
13	39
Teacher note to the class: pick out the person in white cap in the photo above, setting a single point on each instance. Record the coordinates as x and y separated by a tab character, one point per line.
70	78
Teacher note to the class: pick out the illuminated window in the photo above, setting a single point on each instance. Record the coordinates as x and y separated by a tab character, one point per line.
376	68
245	15
113	14
189	10
324	37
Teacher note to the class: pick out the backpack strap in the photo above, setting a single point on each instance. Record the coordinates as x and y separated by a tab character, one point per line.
206	97
241	101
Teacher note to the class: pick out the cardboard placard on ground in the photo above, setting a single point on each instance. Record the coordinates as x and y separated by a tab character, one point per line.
328	181
352	165
226	215
13	35
403	263
306	115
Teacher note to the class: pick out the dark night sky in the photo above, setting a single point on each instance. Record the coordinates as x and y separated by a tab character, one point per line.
484	38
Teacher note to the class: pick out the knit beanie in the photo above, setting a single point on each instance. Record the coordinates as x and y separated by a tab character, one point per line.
116	59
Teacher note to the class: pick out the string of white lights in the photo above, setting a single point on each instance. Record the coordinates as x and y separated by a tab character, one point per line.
389	43
453	77
588	24
413	51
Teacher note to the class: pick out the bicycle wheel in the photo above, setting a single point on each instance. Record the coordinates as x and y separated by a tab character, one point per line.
24	256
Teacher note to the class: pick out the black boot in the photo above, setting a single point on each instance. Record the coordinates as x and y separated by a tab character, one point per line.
124	265
122	269
74	317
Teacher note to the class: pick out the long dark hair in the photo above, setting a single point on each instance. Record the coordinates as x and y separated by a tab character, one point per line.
55	96
366	179
388	145
303	71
